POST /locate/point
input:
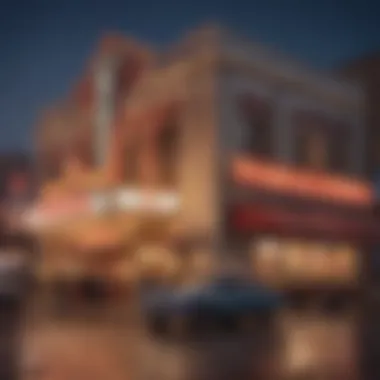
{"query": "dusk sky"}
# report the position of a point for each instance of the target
(44, 44)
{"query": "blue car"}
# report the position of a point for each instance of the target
(226, 297)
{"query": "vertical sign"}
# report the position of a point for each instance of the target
(105, 81)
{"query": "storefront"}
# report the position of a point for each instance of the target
(121, 237)
(322, 279)
(100, 234)
(307, 234)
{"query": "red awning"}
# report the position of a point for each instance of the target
(251, 219)
(282, 179)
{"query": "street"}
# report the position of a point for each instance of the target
(106, 341)
(78, 342)
(109, 343)
(93, 341)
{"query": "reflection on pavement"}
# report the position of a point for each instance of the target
(74, 352)
(107, 342)
(83, 343)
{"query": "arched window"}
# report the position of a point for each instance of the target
(341, 148)
(316, 150)
(257, 116)
(313, 142)
(322, 143)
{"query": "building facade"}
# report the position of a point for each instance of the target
(365, 71)
(182, 125)
(220, 151)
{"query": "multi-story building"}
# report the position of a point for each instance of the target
(219, 149)
(366, 72)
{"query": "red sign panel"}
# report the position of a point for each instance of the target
(283, 179)
(247, 218)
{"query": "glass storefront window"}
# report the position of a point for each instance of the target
(345, 264)
(201, 261)
(319, 261)
(158, 262)
(265, 257)
(294, 258)
(301, 260)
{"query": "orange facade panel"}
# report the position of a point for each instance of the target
(297, 182)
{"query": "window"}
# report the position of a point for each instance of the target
(258, 118)
(316, 150)
(265, 258)
(321, 143)
(313, 142)
(340, 148)
(299, 261)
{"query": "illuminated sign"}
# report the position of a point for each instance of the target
(131, 200)
(277, 177)
(50, 212)
(158, 201)
(291, 259)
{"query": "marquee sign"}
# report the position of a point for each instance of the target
(47, 213)
(277, 177)
(121, 200)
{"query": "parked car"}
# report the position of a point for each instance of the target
(224, 302)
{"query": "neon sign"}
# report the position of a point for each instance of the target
(277, 177)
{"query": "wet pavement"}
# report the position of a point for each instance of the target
(71, 340)
(108, 342)
(76, 341)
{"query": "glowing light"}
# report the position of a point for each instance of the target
(277, 177)
(162, 202)
(123, 200)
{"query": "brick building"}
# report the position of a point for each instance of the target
(182, 122)
(230, 148)
(64, 130)
(365, 71)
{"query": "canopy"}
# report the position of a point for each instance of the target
(255, 218)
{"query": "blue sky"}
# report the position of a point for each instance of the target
(44, 44)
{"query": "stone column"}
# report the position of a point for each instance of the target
(198, 161)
